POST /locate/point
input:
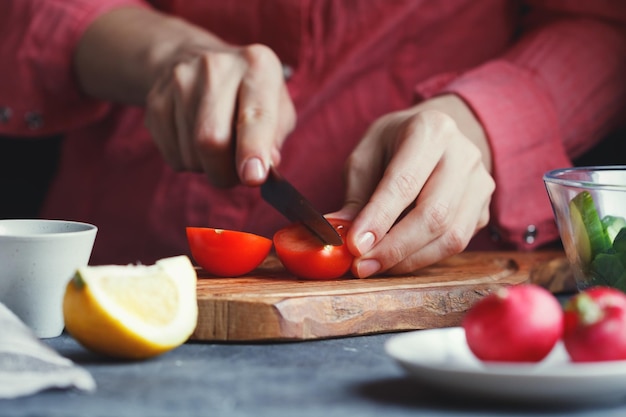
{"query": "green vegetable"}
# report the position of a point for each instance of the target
(606, 268)
(619, 246)
(589, 233)
(601, 243)
(612, 225)
(619, 243)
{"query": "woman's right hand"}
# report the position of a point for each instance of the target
(224, 111)
(210, 106)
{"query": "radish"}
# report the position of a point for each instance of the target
(595, 325)
(519, 323)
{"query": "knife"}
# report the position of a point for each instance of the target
(287, 200)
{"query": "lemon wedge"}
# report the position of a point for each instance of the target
(132, 311)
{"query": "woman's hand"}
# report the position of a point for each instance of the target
(418, 188)
(222, 111)
(210, 106)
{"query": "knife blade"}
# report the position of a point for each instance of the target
(283, 196)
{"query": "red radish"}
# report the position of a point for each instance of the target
(595, 325)
(520, 323)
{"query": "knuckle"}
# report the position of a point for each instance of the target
(396, 253)
(209, 139)
(385, 215)
(259, 56)
(433, 120)
(455, 240)
(214, 65)
(403, 185)
(252, 114)
(484, 219)
(438, 218)
(180, 74)
(475, 159)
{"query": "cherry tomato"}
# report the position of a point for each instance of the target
(305, 256)
(227, 253)
(520, 323)
(595, 325)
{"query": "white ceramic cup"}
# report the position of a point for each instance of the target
(37, 260)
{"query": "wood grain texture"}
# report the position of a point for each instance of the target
(270, 304)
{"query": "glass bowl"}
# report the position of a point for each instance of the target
(589, 205)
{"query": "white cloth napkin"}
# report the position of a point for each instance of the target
(28, 366)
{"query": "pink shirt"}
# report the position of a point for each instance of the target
(547, 84)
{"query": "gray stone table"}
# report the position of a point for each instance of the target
(339, 377)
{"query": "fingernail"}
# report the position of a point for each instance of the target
(365, 242)
(367, 267)
(253, 170)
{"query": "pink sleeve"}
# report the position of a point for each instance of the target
(39, 94)
(555, 94)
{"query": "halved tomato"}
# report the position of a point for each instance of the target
(227, 253)
(305, 256)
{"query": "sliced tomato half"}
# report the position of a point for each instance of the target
(227, 253)
(305, 256)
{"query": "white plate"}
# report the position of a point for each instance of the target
(442, 359)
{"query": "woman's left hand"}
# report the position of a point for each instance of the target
(418, 187)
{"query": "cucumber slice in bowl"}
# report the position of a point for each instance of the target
(589, 233)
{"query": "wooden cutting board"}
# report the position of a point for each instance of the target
(270, 304)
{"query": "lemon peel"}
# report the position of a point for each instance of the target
(132, 311)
